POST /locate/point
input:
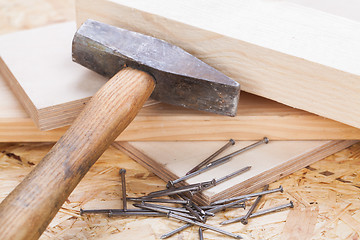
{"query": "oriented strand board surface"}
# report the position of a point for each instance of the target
(326, 194)
(299, 56)
(269, 162)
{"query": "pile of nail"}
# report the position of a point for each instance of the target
(189, 212)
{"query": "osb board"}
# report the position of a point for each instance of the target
(326, 194)
(269, 162)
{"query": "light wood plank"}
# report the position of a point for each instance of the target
(55, 101)
(299, 56)
(269, 162)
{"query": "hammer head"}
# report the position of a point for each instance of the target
(181, 79)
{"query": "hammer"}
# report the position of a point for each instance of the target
(144, 62)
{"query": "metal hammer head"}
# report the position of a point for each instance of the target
(181, 79)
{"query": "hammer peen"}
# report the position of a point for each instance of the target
(140, 66)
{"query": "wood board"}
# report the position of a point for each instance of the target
(38, 68)
(53, 90)
(269, 162)
(296, 55)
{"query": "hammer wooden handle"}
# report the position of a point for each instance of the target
(28, 209)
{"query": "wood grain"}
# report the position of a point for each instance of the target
(298, 56)
(161, 122)
(55, 102)
(28, 210)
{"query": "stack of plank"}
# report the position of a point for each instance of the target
(300, 76)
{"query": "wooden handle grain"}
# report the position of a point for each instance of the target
(28, 210)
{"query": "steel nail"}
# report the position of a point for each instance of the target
(175, 209)
(139, 213)
(206, 208)
(176, 201)
(201, 235)
(176, 191)
(215, 154)
(195, 214)
(223, 201)
(260, 213)
(228, 205)
(173, 215)
(89, 211)
(169, 234)
(172, 188)
(123, 185)
(252, 208)
(214, 209)
(217, 162)
(162, 210)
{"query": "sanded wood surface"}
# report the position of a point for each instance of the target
(26, 212)
(269, 162)
(326, 191)
(55, 101)
(299, 56)
(256, 117)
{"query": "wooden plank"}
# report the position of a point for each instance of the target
(299, 56)
(52, 88)
(54, 102)
(269, 162)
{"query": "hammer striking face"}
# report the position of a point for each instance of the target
(181, 79)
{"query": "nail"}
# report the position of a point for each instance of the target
(223, 201)
(175, 209)
(195, 214)
(215, 209)
(217, 162)
(176, 201)
(260, 213)
(219, 208)
(123, 185)
(82, 211)
(201, 235)
(169, 234)
(242, 205)
(172, 215)
(171, 188)
(215, 154)
(176, 191)
(161, 210)
(252, 208)
(234, 174)
(140, 213)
